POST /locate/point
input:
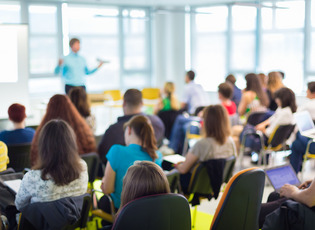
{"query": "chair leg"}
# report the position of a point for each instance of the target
(194, 218)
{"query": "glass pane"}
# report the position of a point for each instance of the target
(244, 18)
(48, 85)
(267, 18)
(214, 21)
(43, 19)
(284, 52)
(313, 13)
(312, 52)
(135, 53)
(243, 51)
(104, 48)
(85, 20)
(209, 60)
(291, 16)
(137, 81)
(43, 54)
(10, 13)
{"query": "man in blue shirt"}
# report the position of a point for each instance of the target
(74, 67)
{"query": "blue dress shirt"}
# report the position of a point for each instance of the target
(74, 70)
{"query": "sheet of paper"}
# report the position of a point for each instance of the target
(13, 184)
(174, 158)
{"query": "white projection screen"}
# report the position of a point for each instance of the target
(13, 67)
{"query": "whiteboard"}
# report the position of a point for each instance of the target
(14, 67)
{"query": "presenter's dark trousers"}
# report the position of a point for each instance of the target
(68, 87)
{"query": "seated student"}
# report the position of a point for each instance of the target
(140, 146)
(299, 145)
(132, 105)
(60, 107)
(79, 98)
(59, 171)
(225, 92)
(217, 142)
(168, 100)
(19, 134)
(304, 194)
(143, 178)
(285, 99)
(237, 93)
(274, 83)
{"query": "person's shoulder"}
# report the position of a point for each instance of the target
(117, 149)
(29, 130)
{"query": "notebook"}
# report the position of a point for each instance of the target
(305, 124)
(280, 175)
(174, 159)
(14, 185)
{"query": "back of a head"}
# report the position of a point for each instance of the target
(226, 90)
(79, 98)
(144, 178)
(133, 98)
(17, 113)
(191, 75)
(143, 129)
(253, 84)
(311, 86)
(287, 98)
(231, 78)
(169, 88)
(217, 123)
(274, 81)
(58, 153)
(263, 78)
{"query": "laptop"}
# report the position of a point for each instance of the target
(305, 124)
(280, 175)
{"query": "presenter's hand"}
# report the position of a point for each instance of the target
(60, 62)
(100, 64)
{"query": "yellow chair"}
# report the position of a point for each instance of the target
(112, 95)
(150, 93)
(307, 156)
(4, 159)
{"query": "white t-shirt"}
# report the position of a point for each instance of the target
(34, 189)
(194, 96)
(310, 107)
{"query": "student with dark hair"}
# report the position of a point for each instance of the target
(274, 83)
(20, 134)
(59, 171)
(194, 95)
(225, 92)
(217, 142)
(254, 98)
(73, 67)
(140, 146)
(79, 98)
(143, 178)
(237, 93)
(132, 105)
(60, 107)
(299, 145)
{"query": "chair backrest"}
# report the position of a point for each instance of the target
(228, 168)
(255, 118)
(113, 95)
(150, 93)
(19, 156)
(239, 206)
(193, 133)
(93, 163)
(168, 118)
(280, 135)
(156, 212)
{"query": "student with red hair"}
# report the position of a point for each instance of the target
(60, 107)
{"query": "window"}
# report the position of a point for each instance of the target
(10, 13)
(209, 46)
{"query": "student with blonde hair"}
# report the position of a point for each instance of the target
(140, 146)
(274, 83)
(168, 100)
(217, 142)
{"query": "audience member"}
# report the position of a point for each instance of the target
(20, 134)
(132, 105)
(143, 178)
(168, 100)
(59, 171)
(304, 194)
(217, 142)
(237, 93)
(140, 146)
(194, 95)
(4, 159)
(299, 145)
(225, 92)
(263, 78)
(79, 99)
(274, 83)
(60, 107)
(285, 99)
(254, 98)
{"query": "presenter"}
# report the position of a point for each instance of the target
(73, 67)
